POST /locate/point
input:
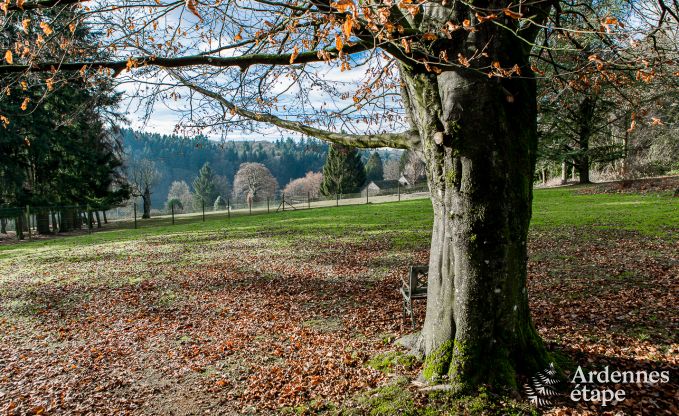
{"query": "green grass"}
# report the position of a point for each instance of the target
(653, 214)
(407, 223)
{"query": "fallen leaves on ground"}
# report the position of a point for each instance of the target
(201, 322)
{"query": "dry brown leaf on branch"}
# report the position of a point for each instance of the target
(486, 18)
(295, 54)
(347, 27)
(46, 28)
(192, 6)
(8, 57)
(512, 14)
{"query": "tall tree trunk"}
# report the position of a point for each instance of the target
(19, 226)
(479, 145)
(583, 169)
(105, 218)
(586, 114)
(146, 197)
(67, 220)
(78, 219)
(96, 214)
(55, 226)
(42, 219)
(3, 225)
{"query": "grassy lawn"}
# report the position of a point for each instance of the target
(295, 311)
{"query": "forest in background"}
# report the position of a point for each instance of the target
(179, 158)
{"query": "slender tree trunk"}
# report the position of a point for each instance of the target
(96, 214)
(582, 162)
(78, 219)
(3, 225)
(564, 172)
(105, 218)
(479, 145)
(19, 226)
(147, 203)
(55, 226)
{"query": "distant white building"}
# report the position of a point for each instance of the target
(379, 187)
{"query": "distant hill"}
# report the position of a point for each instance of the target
(180, 158)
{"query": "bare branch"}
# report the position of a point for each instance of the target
(405, 140)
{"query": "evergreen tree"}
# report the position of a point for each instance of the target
(374, 169)
(204, 186)
(55, 136)
(343, 171)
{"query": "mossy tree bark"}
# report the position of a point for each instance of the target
(479, 140)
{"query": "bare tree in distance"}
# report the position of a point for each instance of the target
(180, 191)
(453, 81)
(255, 182)
(309, 185)
(143, 175)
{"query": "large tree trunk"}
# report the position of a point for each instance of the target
(146, 197)
(3, 225)
(479, 145)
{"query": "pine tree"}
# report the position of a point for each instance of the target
(343, 171)
(204, 186)
(60, 150)
(374, 169)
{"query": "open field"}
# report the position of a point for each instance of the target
(295, 312)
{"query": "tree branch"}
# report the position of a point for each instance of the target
(405, 140)
(244, 61)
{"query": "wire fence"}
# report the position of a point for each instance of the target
(37, 222)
